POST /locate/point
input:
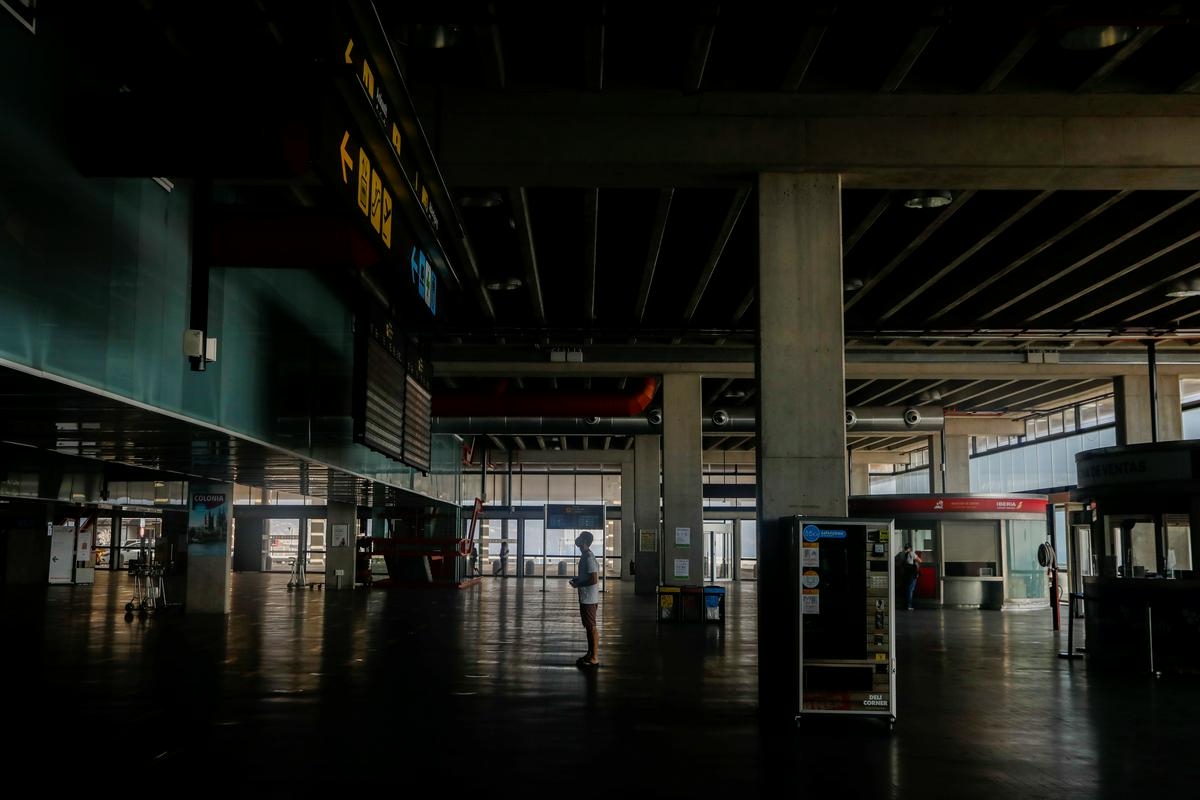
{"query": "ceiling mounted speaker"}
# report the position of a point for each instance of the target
(928, 199)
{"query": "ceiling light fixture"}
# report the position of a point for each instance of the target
(1188, 288)
(481, 200)
(434, 37)
(853, 285)
(504, 284)
(1096, 37)
(928, 199)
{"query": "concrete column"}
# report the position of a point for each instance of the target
(736, 570)
(210, 514)
(341, 529)
(958, 462)
(628, 518)
(802, 396)
(860, 478)
(1133, 409)
(683, 500)
(937, 471)
(647, 510)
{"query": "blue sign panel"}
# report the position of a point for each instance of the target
(561, 517)
(812, 533)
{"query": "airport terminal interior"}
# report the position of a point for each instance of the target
(605, 397)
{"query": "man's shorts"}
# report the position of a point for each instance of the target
(587, 612)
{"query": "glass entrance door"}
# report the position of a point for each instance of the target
(316, 546)
(718, 551)
(281, 545)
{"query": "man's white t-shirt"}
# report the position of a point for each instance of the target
(588, 595)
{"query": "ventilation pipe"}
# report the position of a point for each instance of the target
(865, 419)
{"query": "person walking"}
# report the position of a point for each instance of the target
(587, 581)
(910, 561)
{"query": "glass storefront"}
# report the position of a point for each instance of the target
(1026, 578)
(281, 545)
(135, 534)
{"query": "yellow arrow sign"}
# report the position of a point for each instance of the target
(349, 47)
(347, 161)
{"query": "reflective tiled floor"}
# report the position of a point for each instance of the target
(450, 691)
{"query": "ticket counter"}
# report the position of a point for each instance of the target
(977, 551)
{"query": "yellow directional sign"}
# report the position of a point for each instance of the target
(347, 161)
(374, 199)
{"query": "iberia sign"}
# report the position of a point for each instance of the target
(942, 505)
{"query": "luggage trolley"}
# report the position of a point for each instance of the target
(844, 578)
(298, 579)
(149, 589)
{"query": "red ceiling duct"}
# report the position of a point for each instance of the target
(544, 404)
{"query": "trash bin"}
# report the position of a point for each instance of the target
(692, 598)
(562, 568)
(529, 567)
(668, 604)
(714, 604)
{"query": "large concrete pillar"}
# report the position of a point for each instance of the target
(802, 397)
(1133, 409)
(683, 499)
(341, 529)
(957, 447)
(628, 518)
(937, 467)
(210, 511)
(647, 509)
(860, 478)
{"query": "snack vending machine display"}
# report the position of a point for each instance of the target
(844, 579)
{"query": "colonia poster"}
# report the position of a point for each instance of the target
(208, 522)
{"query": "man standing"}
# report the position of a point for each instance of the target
(908, 567)
(587, 581)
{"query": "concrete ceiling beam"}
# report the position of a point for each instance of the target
(981, 141)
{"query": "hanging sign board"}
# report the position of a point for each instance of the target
(393, 407)
(574, 517)
(374, 153)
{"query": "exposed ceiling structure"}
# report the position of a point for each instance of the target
(602, 161)
(645, 256)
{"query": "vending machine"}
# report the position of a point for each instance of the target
(844, 581)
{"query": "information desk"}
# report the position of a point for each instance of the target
(977, 550)
(1143, 624)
